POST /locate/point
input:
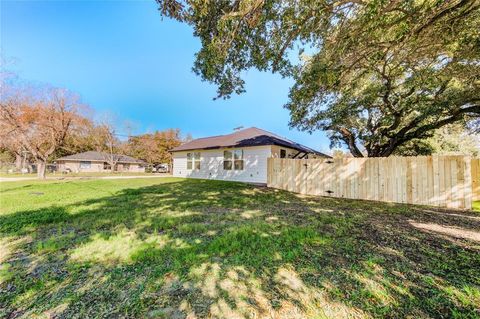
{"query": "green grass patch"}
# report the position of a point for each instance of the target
(80, 174)
(476, 206)
(167, 247)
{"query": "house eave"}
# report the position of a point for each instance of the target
(243, 146)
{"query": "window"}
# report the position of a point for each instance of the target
(233, 160)
(193, 160)
(189, 161)
(227, 160)
(238, 159)
(196, 160)
(283, 153)
(85, 164)
(106, 166)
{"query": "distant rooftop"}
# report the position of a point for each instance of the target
(243, 138)
(99, 157)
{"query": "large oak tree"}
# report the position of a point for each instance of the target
(373, 74)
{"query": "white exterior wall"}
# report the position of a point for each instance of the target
(74, 166)
(211, 165)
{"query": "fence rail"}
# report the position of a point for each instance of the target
(445, 181)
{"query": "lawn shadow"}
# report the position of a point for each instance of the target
(228, 250)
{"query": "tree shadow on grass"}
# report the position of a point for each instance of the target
(217, 249)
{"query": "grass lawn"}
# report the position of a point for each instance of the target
(81, 174)
(173, 248)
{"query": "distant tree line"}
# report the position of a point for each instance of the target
(39, 124)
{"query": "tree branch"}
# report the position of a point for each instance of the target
(349, 139)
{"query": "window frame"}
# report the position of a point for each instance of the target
(237, 156)
(194, 160)
(85, 164)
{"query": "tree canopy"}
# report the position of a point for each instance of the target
(373, 74)
(452, 139)
(154, 148)
(38, 121)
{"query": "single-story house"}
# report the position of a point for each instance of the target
(239, 156)
(92, 161)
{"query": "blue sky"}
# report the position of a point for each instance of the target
(123, 59)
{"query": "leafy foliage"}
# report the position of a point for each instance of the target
(83, 138)
(374, 74)
(38, 121)
(450, 139)
(154, 148)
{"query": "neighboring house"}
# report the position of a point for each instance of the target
(240, 156)
(97, 162)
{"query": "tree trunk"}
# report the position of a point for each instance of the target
(41, 168)
(18, 162)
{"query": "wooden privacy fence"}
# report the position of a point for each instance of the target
(446, 181)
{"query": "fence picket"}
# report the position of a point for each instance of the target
(446, 181)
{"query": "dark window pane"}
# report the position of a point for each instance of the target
(283, 153)
(227, 165)
(227, 155)
(239, 165)
(238, 154)
(197, 156)
(85, 164)
(189, 164)
(197, 164)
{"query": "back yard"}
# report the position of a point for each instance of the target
(173, 248)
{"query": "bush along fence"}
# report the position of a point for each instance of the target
(445, 181)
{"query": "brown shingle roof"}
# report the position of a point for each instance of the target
(98, 157)
(247, 137)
